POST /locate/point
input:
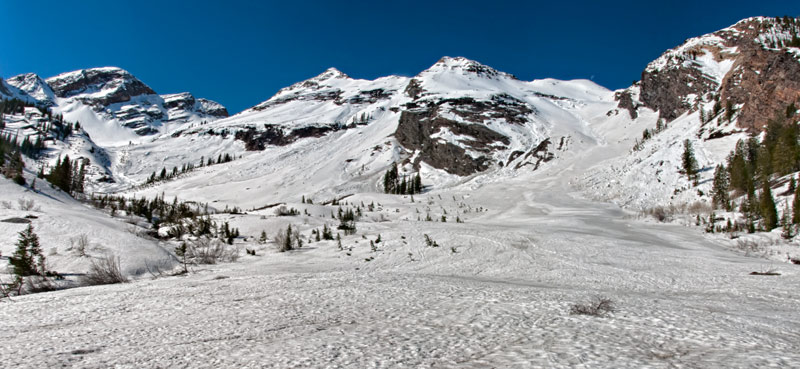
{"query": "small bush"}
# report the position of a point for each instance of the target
(104, 271)
(206, 251)
(599, 306)
(26, 204)
(37, 284)
(79, 244)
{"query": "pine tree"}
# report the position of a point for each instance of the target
(28, 260)
(796, 206)
(390, 180)
(689, 162)
(768, 211)
(417, 183)
(287, 242)
(720, 187)
(786, 223)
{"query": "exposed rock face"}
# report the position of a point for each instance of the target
(257, 140)
(626, 102)
(753, 64)
(99, 86)
(184, 103)
(765, 82)
(666, 90)
(414, 89)
(418, 130)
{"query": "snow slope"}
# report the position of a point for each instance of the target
(60, 220)
(501, 300)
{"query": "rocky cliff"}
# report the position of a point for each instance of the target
(751, 67)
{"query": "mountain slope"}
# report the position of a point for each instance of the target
(333, 135)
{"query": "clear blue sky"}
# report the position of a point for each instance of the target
(240, 54)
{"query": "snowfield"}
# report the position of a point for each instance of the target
(502, 299)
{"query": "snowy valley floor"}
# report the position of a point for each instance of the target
(501, 300)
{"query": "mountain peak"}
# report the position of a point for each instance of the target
(34, 86)
(462, 65)
(106, 85)
(330, 73)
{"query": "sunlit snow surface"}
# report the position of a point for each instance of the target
(501, 300)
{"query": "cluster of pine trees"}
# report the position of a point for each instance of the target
(155, 211)
(347, 221)
(67, 175)
(14, 106)
(11, 163)
(164, 175)
(394, 184)
(12, 147)
(750, 168)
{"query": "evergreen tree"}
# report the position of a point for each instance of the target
(390, 184)
(768, 211)
(287, 242)
(417, 183)
(689, 162)
(796, 206)
(61, 174)
(403, 185)
(763, 164)
(720, 187)
(786, 223)
(28, 260)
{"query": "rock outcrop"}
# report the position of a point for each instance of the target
(752, 66)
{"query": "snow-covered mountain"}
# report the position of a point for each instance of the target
(331, 135)
(113, 105)
(9, 92)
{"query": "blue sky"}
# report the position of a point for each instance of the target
(241, 52)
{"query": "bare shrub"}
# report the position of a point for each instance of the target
(159, 268)
(5, 290)
(599, 306)
(104, 271)
(26, 204)
(659, 213)
(755, 245)
(700, 207)
(206, 251)
(36, 284)
(6, 204)
(79, 244)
